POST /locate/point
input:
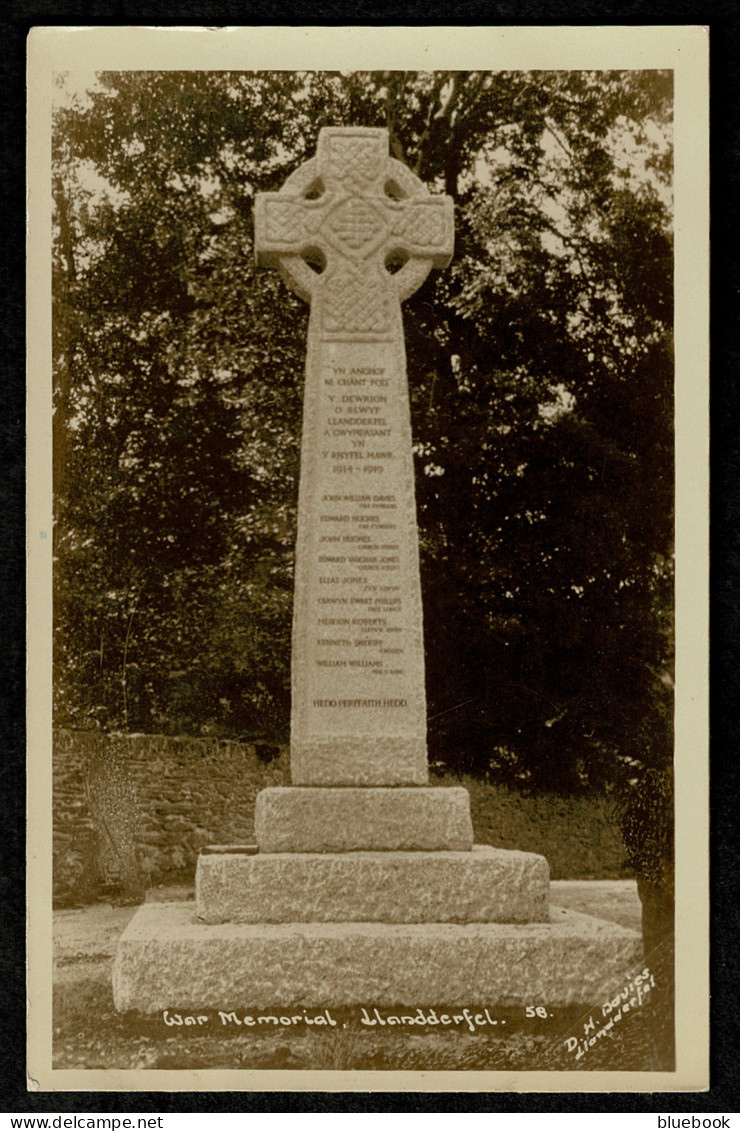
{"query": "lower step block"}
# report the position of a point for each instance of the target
(168, 959)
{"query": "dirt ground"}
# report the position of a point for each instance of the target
(89, 1033)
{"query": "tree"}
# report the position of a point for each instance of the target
(175, 357)
(540, 370)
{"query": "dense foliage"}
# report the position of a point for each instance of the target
(540, 367)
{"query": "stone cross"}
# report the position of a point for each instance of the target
(366, 886)
(354, 232)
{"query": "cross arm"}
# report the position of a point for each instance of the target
(422, 228)
(286, 228)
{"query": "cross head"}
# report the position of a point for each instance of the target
(354, 232)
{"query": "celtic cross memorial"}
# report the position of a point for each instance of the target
(354, 232)
(364, 886)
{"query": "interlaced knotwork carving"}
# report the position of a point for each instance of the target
(353, 227)
(356, 223)
(421, 225)
(354, 305)
(354, 158)
(284, 221)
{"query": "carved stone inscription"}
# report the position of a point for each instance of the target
(358, 535)
(358, 662)
(358, 707)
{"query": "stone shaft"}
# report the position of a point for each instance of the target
(167, 959)
(355, 214)
(487, 885)
(345, 819)
(359, 706)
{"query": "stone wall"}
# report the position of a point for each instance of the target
(158, 798)
(162, 799)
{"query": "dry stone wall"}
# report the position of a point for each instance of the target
(159, 797)
(187, 792)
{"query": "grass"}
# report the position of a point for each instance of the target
(128, 1041)
(579, 836)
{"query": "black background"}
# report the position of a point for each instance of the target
(723, 21)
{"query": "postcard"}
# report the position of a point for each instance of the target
(367, 542)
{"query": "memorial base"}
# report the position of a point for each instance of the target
(298, 819)
(168, 959)
(335, 922)
(482, 886)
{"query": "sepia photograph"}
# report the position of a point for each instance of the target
(367, 434)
